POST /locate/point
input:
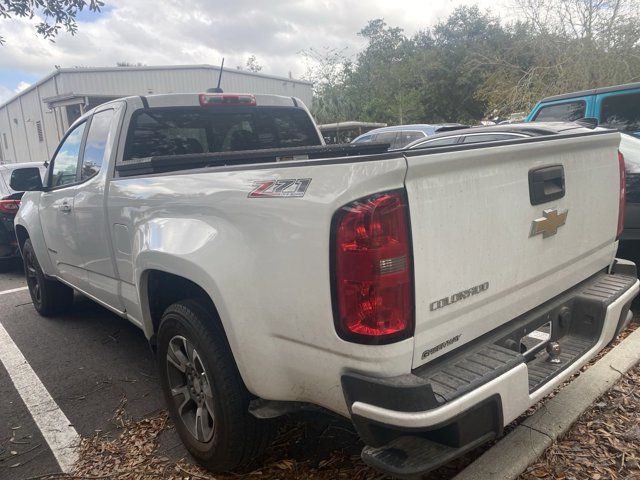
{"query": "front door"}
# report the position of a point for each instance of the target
(93, 236)
(56, 209)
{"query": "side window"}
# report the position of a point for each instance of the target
(439, 142)
(489, 137)
(97, 144)
(387, 137)
(621, 112)
(405, 138)
(65, 163)
(562, 112)
(366, 138)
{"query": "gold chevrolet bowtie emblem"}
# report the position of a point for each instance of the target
(549, 224)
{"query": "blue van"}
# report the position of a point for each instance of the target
(615, 107)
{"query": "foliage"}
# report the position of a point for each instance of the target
(252, 64)
(56, 14)
(471, 66)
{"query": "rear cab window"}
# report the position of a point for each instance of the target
(196, 130)
(562, 112)
(621, 112)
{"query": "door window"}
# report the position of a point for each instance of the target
(405, 138)
(387, 137)
(490, 137)
(65, 163)
(98, 139)
(438, 142)
(366, 138)
(621, 112)
(562, 112)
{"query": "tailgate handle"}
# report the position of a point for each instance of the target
(546, 184)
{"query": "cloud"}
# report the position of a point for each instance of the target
(156, 32)
(21, 86)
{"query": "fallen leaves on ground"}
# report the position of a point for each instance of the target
(603, 444)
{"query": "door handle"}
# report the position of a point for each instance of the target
(546, 184)
(65, 208)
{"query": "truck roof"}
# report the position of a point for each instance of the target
(593, 91)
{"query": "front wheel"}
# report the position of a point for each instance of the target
(205, 394)
(49, 296)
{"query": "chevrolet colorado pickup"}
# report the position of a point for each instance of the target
(429, 296)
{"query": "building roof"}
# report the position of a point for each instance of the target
(149, 68)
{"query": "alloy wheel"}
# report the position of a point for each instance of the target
(190, 388)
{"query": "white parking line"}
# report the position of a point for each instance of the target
(13, 290)
(56, 429)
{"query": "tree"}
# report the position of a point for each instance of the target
(329, 69)
(252, 64)
(56, 14)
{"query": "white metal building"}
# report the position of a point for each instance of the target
(33, 122)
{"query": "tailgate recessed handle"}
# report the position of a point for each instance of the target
(546, 184)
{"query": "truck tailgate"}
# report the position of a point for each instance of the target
(477, 262)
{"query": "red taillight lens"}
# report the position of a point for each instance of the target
(227, 99)
(373, 282)
(9, 206)
(623, 187)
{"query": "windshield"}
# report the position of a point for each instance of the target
(179, 131)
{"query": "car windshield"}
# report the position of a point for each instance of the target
(179, 131)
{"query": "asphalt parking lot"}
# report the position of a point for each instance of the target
(93, 363)
(89, 360)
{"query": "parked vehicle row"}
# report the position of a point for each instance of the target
(431, 295)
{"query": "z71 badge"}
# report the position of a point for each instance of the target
(291, 187)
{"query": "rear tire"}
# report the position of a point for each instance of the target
(49, 296)
(228, 437)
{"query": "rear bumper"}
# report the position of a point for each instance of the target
(417, 422)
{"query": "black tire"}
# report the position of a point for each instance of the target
(237, 439)
(50, 297)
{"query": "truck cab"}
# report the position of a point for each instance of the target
(616, 107)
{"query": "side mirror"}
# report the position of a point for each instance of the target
(26, 180)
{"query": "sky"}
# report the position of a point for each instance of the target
(174, 32)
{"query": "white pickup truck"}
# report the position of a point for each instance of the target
(429, 296)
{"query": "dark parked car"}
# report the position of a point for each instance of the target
(9, 204)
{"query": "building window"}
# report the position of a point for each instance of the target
(6, 145)
(39, 130)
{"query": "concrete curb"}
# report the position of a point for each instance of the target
(508, 458)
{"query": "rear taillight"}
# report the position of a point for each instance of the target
(227, 99)
(621, 204)
(9, 206)
(373, 281)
